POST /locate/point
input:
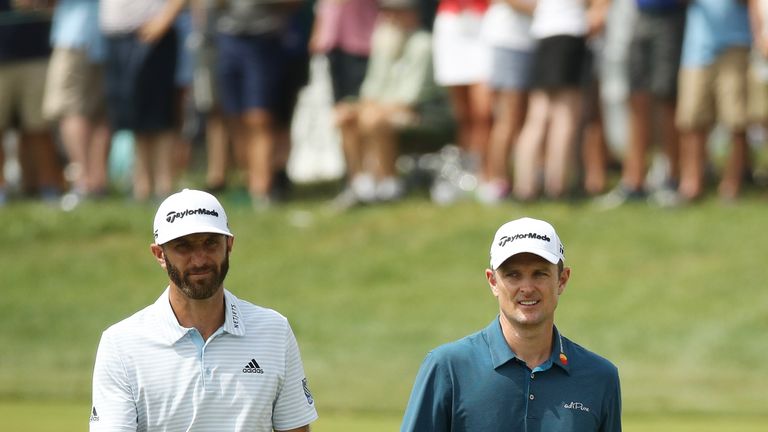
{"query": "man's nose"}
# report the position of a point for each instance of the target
(199, 256)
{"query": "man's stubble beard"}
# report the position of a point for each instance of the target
(204, 288)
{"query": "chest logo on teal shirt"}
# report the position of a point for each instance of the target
(578, 406)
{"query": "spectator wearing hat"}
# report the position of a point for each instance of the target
(520, 372)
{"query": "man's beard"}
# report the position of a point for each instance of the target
(202, 288)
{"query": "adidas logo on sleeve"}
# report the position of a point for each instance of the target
(253, 367)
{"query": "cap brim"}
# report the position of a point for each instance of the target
(498, 261)
(199, 230)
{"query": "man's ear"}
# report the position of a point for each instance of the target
(158, 253)
(564, 276)
(490, 275)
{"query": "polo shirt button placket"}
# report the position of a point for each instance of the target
(531, 396)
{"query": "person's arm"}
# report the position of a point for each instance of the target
(294, 403)
(597, 13)
(525, 6)
(611, 421)
(155, 28)
(113, 407)
(416, 71)
(380, 62)
(301, 429)
(757, 22)
(429, 407)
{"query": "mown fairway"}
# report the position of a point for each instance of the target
(677, 299)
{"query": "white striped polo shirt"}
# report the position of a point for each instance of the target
(151, 374)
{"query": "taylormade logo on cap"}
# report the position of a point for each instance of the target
(526, 235)
(189, 212)
(171, 216)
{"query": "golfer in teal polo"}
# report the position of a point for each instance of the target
(519, 373)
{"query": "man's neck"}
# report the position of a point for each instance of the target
(533, 345)
(204, 315)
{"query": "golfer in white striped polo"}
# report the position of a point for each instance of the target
(199, 359)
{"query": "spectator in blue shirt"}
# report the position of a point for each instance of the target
(519, 373)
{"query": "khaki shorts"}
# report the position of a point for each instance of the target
(714, 93)
(22, 95)
(74, 85)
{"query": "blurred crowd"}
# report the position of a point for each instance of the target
(493, 100)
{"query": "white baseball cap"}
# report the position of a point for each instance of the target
(526, 235)
(189, 212)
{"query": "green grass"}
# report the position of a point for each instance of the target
(676, 299)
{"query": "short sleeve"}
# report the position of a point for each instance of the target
(611, 421)
(294, 406)
(113, 409)
(429, 407)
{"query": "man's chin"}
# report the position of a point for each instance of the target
(199, 291)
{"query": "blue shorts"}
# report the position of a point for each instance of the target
(511, 69)
(140, 83)
(249, 72)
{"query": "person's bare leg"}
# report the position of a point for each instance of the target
(97, 157)
(43, 155)
(163, 148)
(510, 116)
(142, 173)
(260, 142)
(460, 104)
(217, 147)
(527, 160)
(733, 173)
(670, 139)
(558, 161)
(692, 157)
(634, 168)
(346, 116)
(481, 120)
(75, 134)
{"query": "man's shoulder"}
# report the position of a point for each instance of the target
(461, 350)
(132, 322)
(254, 312)
(582, 357)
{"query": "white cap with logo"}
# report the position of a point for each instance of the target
(526, 235)
(189, 212)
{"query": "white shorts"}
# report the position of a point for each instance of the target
(461, 56)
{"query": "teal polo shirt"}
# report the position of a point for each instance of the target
(478, 384)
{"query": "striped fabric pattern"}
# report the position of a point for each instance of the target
(151, 374)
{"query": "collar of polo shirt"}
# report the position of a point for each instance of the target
(501, 353)
(171, 331)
